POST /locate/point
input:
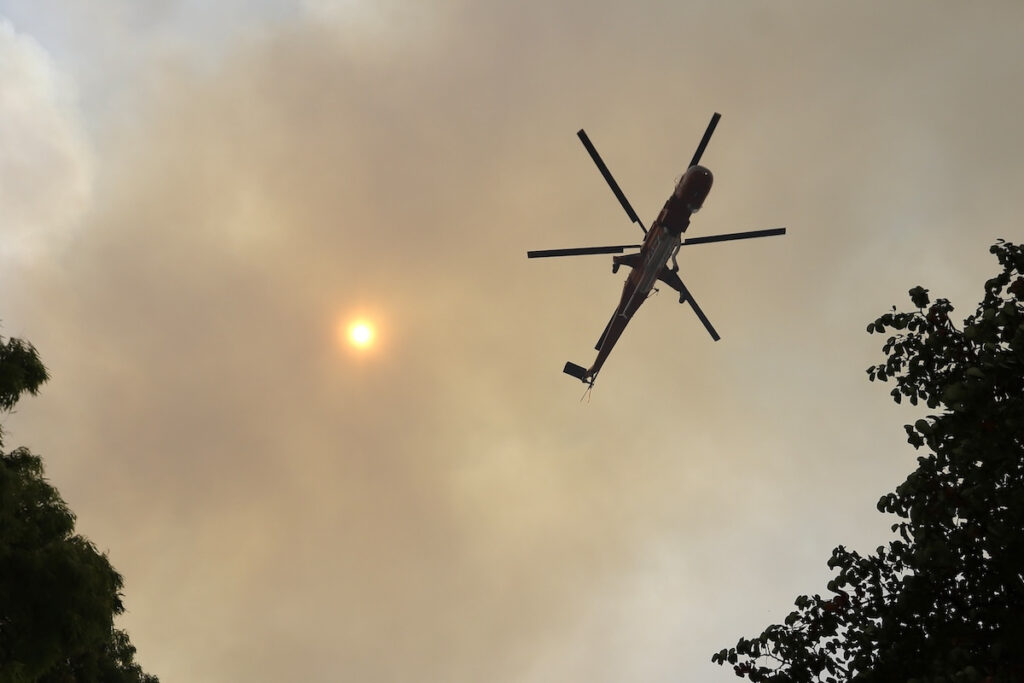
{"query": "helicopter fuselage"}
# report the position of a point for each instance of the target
(658, 248)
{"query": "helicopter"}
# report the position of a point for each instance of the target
(659, 249)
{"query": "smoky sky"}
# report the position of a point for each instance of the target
(198, 201)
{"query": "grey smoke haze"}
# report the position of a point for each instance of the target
(210, 196)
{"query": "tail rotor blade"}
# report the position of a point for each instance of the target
(609, 179)
(704, 141)
(734, 236)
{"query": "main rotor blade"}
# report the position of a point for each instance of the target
(704, 141)
(579, 251)
(700, 314)
(734, 236)
(609, 179)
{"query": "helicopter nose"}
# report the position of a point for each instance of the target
(694, 187)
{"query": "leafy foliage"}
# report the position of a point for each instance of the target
(58, 594)
(944, 601)
(20, 371)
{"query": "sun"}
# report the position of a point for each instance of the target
(360, 334)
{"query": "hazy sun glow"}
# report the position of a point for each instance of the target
(360, 334)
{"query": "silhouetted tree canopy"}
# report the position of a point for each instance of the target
(58, 594)
(944, 601)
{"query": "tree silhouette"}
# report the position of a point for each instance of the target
(58, 594)
(944, 601)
